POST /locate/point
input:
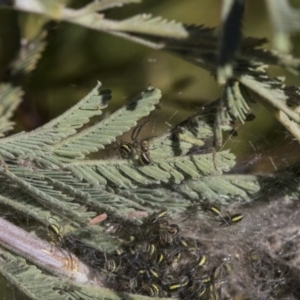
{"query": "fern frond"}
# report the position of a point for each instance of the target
(10, 98)
(155, 197)
(114, 172)
(80, 114)
(97, 198)
(235, 101)
(29, 55)
(36, 210)
(29, 279)
(25, 206)
(37, 142)
(285, 20)
(101, 5)
(271, 57)
(147, 24)
(96, 137)
(191, 136)
(271, 90)
(233, 104)
(229, 188)
(36, 185)
(188, 137)
(219, 189)
(225, 189)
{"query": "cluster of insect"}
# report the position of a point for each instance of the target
(137, 148)
(154, 259)
(158, 261)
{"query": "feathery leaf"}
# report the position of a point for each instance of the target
(147, 24)
(113, 171)
(36, 185)
(10, 98)
(272, 90)
(29, 55)
(28, 278)
(103, 133)
(285, 20)
(37, 142)
(101, 5)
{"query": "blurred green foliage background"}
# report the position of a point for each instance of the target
(76, 58)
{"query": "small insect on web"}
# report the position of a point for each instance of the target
(54, 229)
(225, 219)
(141, 145)
(56, 233)
(128, 150)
